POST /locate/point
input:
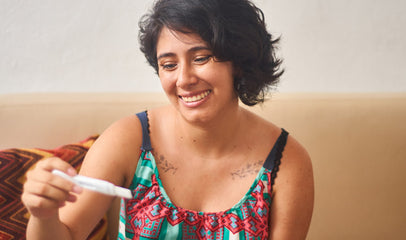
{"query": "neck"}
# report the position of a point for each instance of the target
(214, 138)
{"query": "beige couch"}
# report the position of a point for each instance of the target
(357, 143)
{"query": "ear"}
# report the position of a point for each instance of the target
(237, 72)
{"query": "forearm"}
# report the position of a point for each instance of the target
(43, 229)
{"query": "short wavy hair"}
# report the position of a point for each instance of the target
(235, 31)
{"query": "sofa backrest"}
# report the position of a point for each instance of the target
(357, 143)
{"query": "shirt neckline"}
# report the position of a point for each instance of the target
(170, 204)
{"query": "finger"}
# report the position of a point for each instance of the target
(52, 163)
(71, 198)
(46, 190)
(44, 183)
(36, 201)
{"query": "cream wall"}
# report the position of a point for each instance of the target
(91, 45)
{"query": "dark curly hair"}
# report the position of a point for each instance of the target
(234, 30)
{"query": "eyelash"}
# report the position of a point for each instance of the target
(168, 66)
(203, 59)
(198, 60)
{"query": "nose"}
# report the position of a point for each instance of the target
(186, 76)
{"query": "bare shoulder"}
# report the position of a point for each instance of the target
(113, 157)
(295, 163)
(293, 193)
(117, 146)
(265, 131)
(294, 153)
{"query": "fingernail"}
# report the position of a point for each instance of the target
(71, 198)
(71, 171)
(77, 189)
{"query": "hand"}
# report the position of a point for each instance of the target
(44, 193)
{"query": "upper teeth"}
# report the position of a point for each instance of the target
(196, 97)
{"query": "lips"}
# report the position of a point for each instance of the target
(195, 98)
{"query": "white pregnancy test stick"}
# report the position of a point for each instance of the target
(96, 185)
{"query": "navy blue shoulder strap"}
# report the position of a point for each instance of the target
(146, 141)
(273, 160)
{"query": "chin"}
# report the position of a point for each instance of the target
(195, 116)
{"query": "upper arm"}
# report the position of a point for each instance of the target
(113, 157)
(293, 194)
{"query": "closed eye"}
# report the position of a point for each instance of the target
(202, 59)
(168, 66)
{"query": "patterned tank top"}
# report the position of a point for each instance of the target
(150, 214)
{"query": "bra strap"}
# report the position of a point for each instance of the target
(146, 141)
(273, 160)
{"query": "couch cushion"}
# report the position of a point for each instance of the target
(14, 163)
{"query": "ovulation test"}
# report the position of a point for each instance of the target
(96, 185)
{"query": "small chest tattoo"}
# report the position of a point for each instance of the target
(247, 170)
(164, 164)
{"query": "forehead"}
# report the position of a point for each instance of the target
(173, 41)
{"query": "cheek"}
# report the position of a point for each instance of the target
(222, 77)
(168, 85)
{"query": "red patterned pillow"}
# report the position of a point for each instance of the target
(14, 163)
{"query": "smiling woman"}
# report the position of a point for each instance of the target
(233, 30)
(208, 168)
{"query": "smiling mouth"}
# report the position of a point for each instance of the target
(195, 98)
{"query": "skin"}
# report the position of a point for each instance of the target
(228, 154)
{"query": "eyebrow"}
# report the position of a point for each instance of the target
(193, 49)
(165, 55)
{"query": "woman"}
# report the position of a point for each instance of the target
(208, 168)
